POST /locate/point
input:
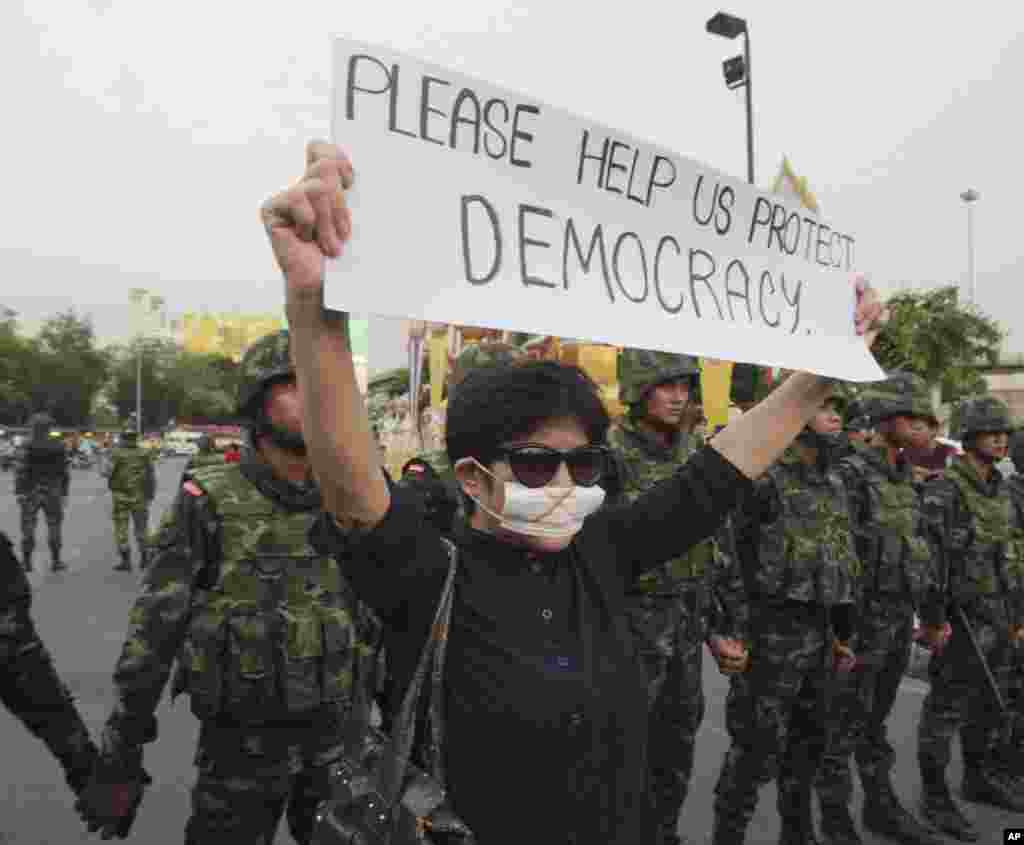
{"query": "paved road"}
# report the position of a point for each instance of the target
(82, 615)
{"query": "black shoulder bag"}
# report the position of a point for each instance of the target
(378, 797)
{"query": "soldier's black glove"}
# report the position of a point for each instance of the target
(78, 768)
(111, 798)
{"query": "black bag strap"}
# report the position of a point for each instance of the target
(396, 754)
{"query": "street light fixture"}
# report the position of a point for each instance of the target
(737, 72)
(970, 196)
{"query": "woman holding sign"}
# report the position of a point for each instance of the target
(546, 704)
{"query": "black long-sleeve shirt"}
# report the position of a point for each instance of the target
(546, 706)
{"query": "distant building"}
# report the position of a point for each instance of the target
(224, 334)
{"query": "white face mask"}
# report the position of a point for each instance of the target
(555, 512)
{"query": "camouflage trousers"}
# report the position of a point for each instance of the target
(249, 779)
(668, 632)
(50, 501)
(137, 511)
(959, 698)
(864, 699)
(774, 716)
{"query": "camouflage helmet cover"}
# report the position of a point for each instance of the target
(900, 394)
(638, 370)
(267, 360)
(858, 416)
(477, 355)
(981, 415)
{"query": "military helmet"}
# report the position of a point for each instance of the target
(900, 394)
(267, 360)
(858, 416)
(638, 370)
(982, 415)
(477, 355)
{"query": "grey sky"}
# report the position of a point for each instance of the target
(141, 137)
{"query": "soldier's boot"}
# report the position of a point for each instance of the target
(984, 785)
(939, 808)
(144, 556)
(26, 556)
(884, 815)
(126, 561)
(56, 564)
(837, 827)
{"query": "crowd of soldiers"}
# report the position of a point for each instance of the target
(806, 600)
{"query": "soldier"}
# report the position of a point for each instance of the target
(432, 471)
(29, 685)
(666, 607)
(788, 582)
(1015, 762)
(265, 632)
(41, 481)
(898, 574)
(132, 483)
(206, 456)
(970, 523)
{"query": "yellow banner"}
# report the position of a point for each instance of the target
(438, 366)
(715, 387)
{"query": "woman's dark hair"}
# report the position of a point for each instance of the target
(495, 405)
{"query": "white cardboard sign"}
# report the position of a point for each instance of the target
(478, 206)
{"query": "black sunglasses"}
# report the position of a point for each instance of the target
(534, 465)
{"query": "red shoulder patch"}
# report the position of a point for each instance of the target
(192, 488)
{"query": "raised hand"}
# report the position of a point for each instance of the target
(310, 221)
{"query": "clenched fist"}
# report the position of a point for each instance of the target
(732, 656)
(310, 221)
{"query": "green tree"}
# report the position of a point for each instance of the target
(932, 334)
(176, 384)
(68, 370)
(17, 368)
(207, 384)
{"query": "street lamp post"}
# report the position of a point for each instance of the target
(138, 390)
(737, 72)
(970, 196)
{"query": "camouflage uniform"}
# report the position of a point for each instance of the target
(132, 483)
(787, 579)
(666, 607)
(268, 639)
(899, 574)
(29, 685)
(970, 522)
(41, 482)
